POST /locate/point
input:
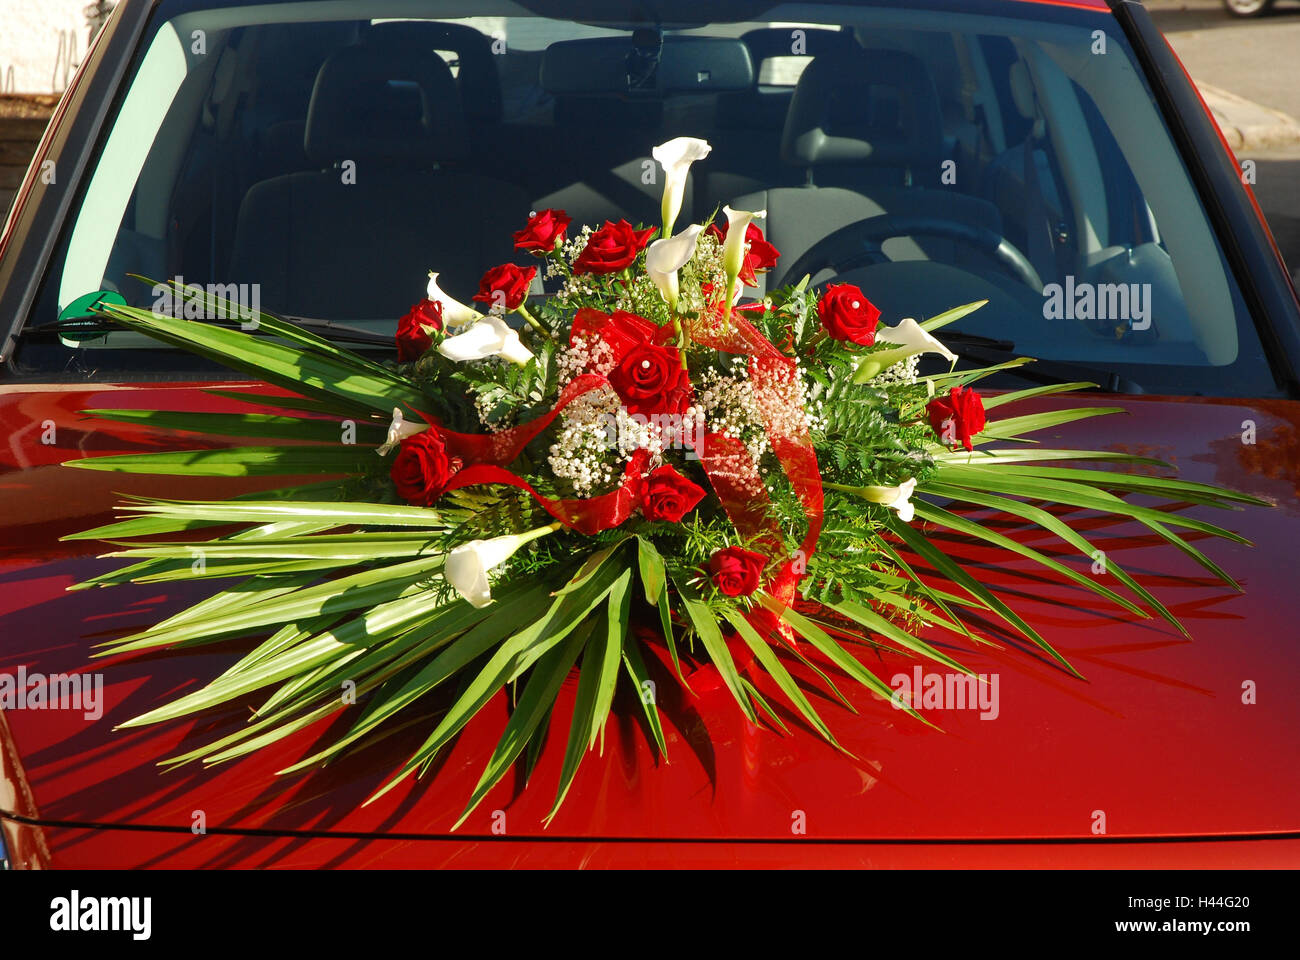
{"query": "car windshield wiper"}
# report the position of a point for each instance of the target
(975, 340)
(971, 346)
(93, 325)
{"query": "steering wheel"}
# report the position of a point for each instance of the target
(859, 244)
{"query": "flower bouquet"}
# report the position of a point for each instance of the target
(533, 478)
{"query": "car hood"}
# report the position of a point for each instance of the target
(1166, 737)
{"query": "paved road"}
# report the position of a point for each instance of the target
(1259, 60)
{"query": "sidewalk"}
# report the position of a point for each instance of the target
(1250, 127)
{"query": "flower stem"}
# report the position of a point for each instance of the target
(827, 485)
(523, 312)
(540, 532)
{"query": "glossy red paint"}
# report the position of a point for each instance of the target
(1158, 738)
(1081, 4)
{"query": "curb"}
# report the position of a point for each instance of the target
(1249, 126)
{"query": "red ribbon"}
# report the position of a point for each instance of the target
(589, 516)
(502, 449)
(772, 374)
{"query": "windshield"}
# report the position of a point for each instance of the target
(323, 157)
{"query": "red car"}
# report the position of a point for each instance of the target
(325, 155)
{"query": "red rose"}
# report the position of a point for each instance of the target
(413, 336)
(760, 257)
(669, 496)
(647, 371)
(736, 571)
(612, 248)
(848, 315)
(544, 231)
(506, 285)
(957, 417)
(650, 379)
(421, 470)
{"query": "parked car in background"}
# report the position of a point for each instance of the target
(933, 152)
(1248, 8)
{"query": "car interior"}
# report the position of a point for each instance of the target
(443, 172)
(335, 162)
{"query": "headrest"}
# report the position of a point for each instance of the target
(1022, 90)
(478, 78)
(875, 107)
(380, 103)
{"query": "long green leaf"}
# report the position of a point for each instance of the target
(1050, 522)
(272, 426)
(946, 567)
(951, 316)
(706, 628)
(829, 648)
(513, 610)
(287, 366)
(514, 655)
(615, 636)
(636, 669)
(1015, 427)
(976, 531)
(360, 590)
(238, 462)
(873, 621)
(777, 671)
(538, 696)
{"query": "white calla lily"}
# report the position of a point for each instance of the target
(910, 334)
(897, 498)
(676, 157)
(666, 257)
(489, 337)
(398, 431)
(454, 313)
(733, 251)
(467, 566)
(910, 340)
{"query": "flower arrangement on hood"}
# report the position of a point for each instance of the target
(610, 453)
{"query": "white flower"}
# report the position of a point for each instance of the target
(666, 257)
(454, 313)
(676, 156)
(467, 566)
(489, 337)
(909, 334)
(398, 431)
(733, 251)
(897, 498)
